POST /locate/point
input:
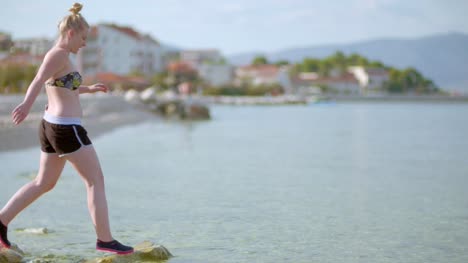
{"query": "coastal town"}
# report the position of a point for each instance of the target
(125, 59)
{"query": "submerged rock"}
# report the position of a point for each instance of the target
(37, 231)
(148, 95)
(195, 111)
(12, 255)
(52, 258)
(169, 104)
(28, 175)
(144, 252)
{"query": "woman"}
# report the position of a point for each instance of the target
(61, 135)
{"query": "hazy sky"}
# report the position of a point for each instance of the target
(247, 25)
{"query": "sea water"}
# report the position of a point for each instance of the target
(330, 182)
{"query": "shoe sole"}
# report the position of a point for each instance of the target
(4, 244)
(115, 251)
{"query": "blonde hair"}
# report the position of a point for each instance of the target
(73, 21)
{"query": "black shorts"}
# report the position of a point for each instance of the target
(62, 139)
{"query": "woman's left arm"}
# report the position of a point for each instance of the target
(93, 88)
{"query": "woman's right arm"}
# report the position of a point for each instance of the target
(53, 62)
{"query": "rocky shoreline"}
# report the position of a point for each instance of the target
(145, 251)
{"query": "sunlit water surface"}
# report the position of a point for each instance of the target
(318, 183)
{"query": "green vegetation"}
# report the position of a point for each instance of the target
(16, 78)
(337, 61)
(400, 81)
(260, 60)
(5, 42)
(409, 80)
(136, 73)
(161, 80)
(244, 90)
(282, 63)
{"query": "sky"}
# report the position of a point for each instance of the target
(240, 26)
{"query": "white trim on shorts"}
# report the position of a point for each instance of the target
(77, 136)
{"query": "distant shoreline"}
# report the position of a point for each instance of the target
(104, 113)
(294, 99)
(398, 98)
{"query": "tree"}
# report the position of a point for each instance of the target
(16, 77)
(325, 66)
(160, 80)
(353, 59)
(282, 63)
(339, 61)
(400, 81)
(136, 73)
(408, 80)
(310, 65)
(260, 60)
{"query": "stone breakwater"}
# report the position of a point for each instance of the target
(170, 104)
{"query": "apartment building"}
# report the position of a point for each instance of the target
(34, 46)
(120, 50)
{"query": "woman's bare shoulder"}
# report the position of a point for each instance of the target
(56, 55)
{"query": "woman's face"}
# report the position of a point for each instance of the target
(77, 40)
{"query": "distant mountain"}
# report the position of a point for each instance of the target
(442, 58)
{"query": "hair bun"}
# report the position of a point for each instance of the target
(76, 8)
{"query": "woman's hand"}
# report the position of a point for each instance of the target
(98, 87)
(20, 113)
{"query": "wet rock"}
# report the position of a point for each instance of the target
(148, 95)
(183, 110)
(52, 258)
(144, 252)
(168, 95)
(28, 175)
(12, 255)
(132, 96)
(168, 104)
(36, 231)
(195, 111)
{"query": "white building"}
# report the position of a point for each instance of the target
(346, 83)
(120, 50)
(34, 46)
(257, 74)
(210, 65)
(370, 79)
(216, 74)
(198, 57)
(264, 75)
(310, 83)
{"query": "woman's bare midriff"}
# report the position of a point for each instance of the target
(63, 102)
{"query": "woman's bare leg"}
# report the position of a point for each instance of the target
(51, 166)
(86, 163)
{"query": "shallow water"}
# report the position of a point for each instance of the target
(329, 182)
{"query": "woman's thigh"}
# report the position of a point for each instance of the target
(50, 168)
(86, 163)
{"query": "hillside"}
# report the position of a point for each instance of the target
(442, 58)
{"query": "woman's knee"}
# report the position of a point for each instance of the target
(44, 185)
(96, 179)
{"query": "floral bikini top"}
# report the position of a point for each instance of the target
(70, 81)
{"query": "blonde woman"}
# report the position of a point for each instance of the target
(61, 135)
